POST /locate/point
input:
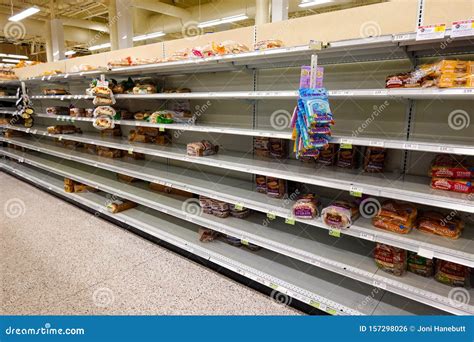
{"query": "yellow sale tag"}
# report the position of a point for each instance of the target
(346, 146)
(162, 129)
(130, 150)
(244, 242)
(290, 220)
(440, 28)
(274, 286)
(239, 206)
(335, 232)
(314, 304)
(271, 216)
(331, 311)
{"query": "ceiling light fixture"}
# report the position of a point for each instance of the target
(8, 60)
(70, 53)
(223, 21)
(312, 3)
(23, 14)
(99, 47)
(17, 56)
(148, 36)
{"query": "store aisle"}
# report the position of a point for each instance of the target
(58, 259)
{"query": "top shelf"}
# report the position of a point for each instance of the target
(385, 47)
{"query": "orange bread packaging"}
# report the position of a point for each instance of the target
(396, 217)
(438, 224)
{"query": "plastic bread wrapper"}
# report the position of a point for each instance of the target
(103, 122)
(104, 111)
(104, 101)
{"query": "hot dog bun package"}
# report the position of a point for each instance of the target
(390, 259)
(396, 217)
(440, 224)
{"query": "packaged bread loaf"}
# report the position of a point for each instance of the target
(390, 259)
(448, 166)
(119, 205)
(78, 187)
(111, 132)
(276, 187)
(239, 212)
(278, 148)
(90, 148)
(134, 155)
(220, 209)
(57, 110)
(347, 158)
(340, 214)
(201, 148)
(452, 274)
(109, 152)
(207, 235)
(77, 112)
(168, 189)
(464, 186)
(232, 240)
(396, 217)
(420, 265)
(268, 44)
(261, 183)
(206, 204)
(63, 129)
(374, 159)
(262, 146)
(439, 224)
(306, 207)
(328, 156)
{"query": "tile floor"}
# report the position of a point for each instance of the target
(56, 259)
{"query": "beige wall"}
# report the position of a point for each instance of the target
(447, 11)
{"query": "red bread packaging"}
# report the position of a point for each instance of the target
(396, 217)
(436, 223)
(447, 166)
(457, 185)
(452, 274)
(390, 259)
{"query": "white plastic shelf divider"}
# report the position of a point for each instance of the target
(414, 189)
(363, 94)
(314, 286)
(391, 143)
(242, 193)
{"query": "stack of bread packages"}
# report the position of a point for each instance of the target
(103, 114)
(312, 118)
(451, 173)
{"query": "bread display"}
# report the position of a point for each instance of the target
(268, 44)
(306, 207)
(261, 146)
(111, 132)
(149, 135)
(452, 274)
(55, 91)
(57, 110)
(390, 259)
(119, 205)
(72, 186)
(420, 265)
(464, 186)
(109, 152)
(396, 217)
(438, 224)
(238, 212)
(63, 129)
(278, 148)
(449, 166)
(328, 157)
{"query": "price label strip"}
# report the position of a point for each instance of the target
(429, 32)
(335, 232)
(290, 220)
(464, 28)
(355, 191)
(271, 215)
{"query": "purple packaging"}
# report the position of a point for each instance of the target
(305, 77)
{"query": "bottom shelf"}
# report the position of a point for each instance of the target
(327, 291)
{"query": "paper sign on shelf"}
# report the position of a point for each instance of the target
(239, 206)
(429, 32)
(335, 232)
(290, 220)
(425, 253)
(271, 215)
(355, 191)
(464, 28)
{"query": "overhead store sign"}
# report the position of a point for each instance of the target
(431, 32)
(462, 28)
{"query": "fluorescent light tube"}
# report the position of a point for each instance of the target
(26, 13)
(148, 36)
(8, 60)
(70, 52)
(99, 47)
(17, 56)
(222, 21)
(314, 3)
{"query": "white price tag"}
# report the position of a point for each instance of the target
(380, 92)
(379, 284)
(446, 149)
(367, 236)
(401, 37)
(43, 78)
(323, 306)
(356, 191)
(66, 75)
(468, 91)
(425, 253)
(408, 146)
(462, 28)
(49, 77)
(27, 130)
(376, 143)
(428, 32)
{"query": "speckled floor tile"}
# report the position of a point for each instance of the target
(58, 259)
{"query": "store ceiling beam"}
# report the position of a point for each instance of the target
(160, 7)
(262, 12)
(279, 10)
(88, 24)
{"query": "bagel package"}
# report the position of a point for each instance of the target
(347, 158)
(276, 187)
(340, 214)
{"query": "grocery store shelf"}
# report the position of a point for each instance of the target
(9, 111)
(242, 192)
(384, 47)
(9, 83)
(364, 94)
(414, 189)
(8, 98)
(392, 143)
(317, 287)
